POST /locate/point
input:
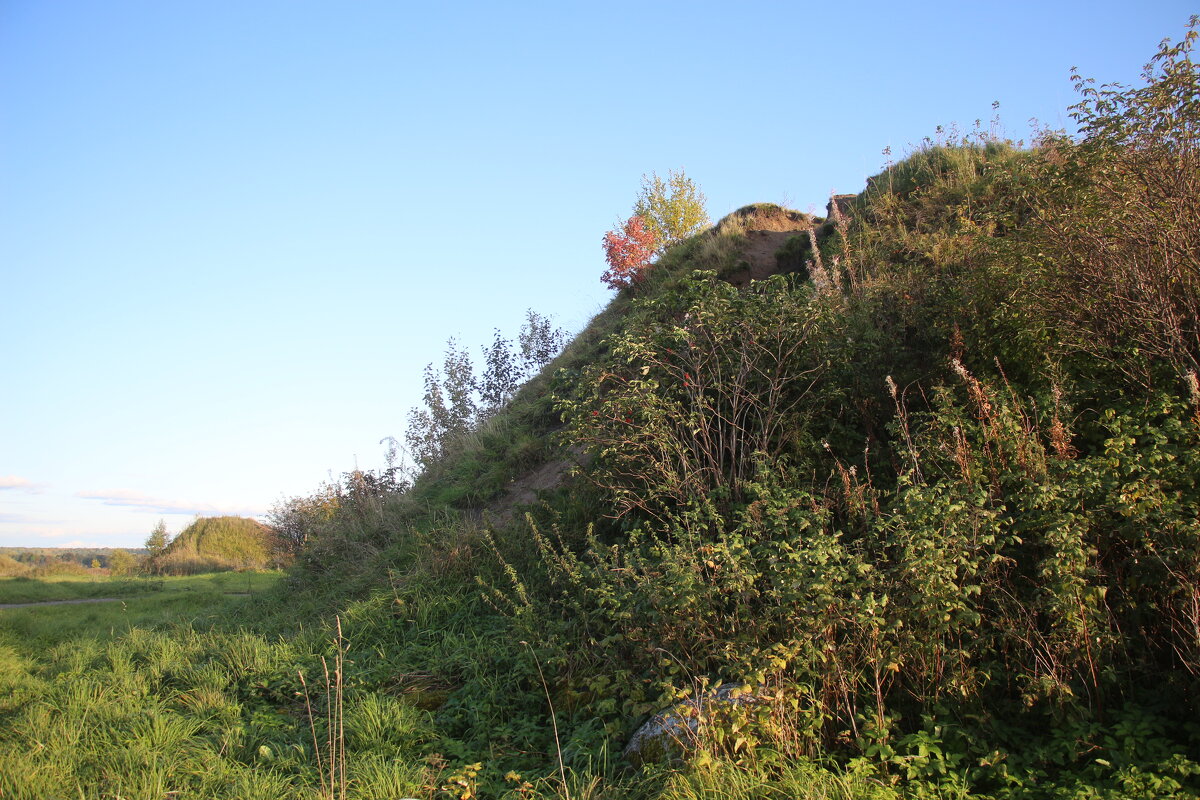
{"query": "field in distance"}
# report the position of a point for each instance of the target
(115, 604)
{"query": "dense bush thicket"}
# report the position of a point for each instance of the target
(939, 504)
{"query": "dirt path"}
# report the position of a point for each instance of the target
(94, 600)
(62, 602)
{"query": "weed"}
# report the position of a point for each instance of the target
(330, 753)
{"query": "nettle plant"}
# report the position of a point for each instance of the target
(688, 404)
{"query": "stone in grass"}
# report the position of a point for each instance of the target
(671, 735)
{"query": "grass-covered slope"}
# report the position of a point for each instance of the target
(933, 492)
(218, 543)
(945, 537)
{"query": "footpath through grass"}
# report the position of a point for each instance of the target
(72, 587)
(78, 587)
(139, 602)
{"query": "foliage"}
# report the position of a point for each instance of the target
(457, 402)
(936, 538)
(507, 365)
(539, 342)
(121, 562)
(157, 541)
(218, 543)
(499, 379)
(450, 407)
(1118, 224)
(295, 520)
(992, 542)
(346, 524)
(9, 566)
(628, 253)
(50, 558)
(672, 209)
(684, 413)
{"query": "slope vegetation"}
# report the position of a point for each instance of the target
(926, 486)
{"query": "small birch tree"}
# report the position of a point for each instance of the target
(673, 209)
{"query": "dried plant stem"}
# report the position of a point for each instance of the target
(313, 728)
(332, 767)
(562, 770)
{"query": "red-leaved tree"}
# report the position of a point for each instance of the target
(628, 252)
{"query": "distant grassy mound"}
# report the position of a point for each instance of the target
(219, 543)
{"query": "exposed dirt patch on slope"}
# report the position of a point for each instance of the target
(767, 228)
(528, 488)
(525, 489)
(759, 253)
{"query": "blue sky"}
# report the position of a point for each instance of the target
(233, 233)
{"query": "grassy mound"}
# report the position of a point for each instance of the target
(926, 484)
(212, 544)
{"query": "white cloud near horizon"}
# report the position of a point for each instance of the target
(23, 484)
(127, 498)
(25, 519)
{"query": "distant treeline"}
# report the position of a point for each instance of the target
(209, 544)
(84, 556)
(22, 560)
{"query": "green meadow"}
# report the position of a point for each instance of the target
(117, 604)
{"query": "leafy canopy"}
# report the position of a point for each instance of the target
(628, 253)
(1118, 222)
(673, 209)
(158, 539)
